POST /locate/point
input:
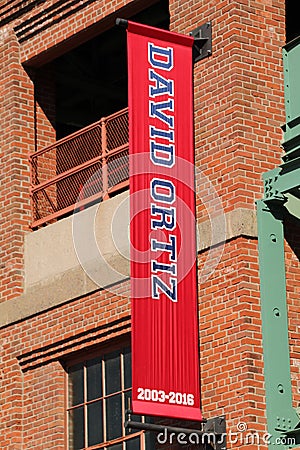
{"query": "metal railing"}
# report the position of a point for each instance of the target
(87, 166)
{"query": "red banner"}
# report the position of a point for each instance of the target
(165, 348)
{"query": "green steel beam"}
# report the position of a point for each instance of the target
(282, 180)
(282, 419)
(291, 66)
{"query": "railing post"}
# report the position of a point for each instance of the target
(104, 159)
(33, 182)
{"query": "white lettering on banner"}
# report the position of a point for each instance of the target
(162, 190)
(155, 395)
(166, 246)
(160, 57)
(162, 85)
(162, 153)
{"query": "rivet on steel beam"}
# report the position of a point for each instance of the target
(276, 312)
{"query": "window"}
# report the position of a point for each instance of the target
(91, 79)
(99, 390)
(292, 23)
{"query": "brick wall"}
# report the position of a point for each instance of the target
(238, 112)
(32, 377)
(239, 97)
(16, 141)
(230, 337)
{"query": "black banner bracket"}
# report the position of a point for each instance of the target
(211, 435)
(202, 41)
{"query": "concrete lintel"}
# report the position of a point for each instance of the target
(43, 296)
(75, 281)
(222, 228)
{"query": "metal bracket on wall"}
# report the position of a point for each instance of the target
(271, 190)
(281, 180)
(203, 41)
(211, 436)
(292, 436)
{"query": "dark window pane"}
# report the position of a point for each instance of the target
(114, 420)
(150, 440)
(95, 423)
(127, 368)
(115, 447)
(76, 428)
(94, 379)
(112, 373)
(133, 444)
(76, 385)
(150, 419)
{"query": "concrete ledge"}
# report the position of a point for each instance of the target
(219, 229)
(97, 234)
(67, 260)
(69, 285)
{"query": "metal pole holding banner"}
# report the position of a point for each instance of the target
(211, 435)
